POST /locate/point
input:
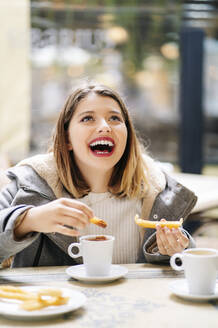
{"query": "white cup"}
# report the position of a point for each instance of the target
(200, 266)
(97, 254)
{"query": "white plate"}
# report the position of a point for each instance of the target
(78, 272)
(180, 288)
(11, 308)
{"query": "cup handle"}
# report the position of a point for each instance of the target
(70, 247)
(173, 264)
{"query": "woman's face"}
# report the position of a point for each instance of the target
(97, 133)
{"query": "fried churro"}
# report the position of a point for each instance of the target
(99, 222)
(153, 224)
(32, 301)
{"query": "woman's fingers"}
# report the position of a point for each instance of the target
(72, 214)
(66, 231)
(161, 248)
(161, 241)
(75, 204)
(70, 221)
(181, 238)
(171, 238)
(171, 241)
(63, 212)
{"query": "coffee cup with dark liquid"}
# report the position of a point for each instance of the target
(97, 238)
(200, 266)
(97, 251)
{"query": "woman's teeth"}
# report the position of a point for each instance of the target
(102, 147)
(102, 142)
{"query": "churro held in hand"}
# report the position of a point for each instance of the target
(153, 224)
(99, 222)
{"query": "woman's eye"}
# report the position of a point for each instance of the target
(87, 118)
(115, 118)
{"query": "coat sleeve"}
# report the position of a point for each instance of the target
(9, 213)
(173, 203)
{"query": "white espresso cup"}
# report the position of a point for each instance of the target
(97, 251)
(200, 266)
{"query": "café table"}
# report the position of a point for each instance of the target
(140, 299)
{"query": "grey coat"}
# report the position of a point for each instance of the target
(27, 189)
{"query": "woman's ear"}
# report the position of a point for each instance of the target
(69, 146)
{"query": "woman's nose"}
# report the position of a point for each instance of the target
(104, 127)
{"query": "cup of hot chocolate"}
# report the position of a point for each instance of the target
(96, 251)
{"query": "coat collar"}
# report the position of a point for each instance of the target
(45, 166)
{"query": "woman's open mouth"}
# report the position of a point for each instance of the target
(103, 146)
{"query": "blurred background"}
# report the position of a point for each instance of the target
(162, 56)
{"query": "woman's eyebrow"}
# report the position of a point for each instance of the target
(92, 111)
(86, 112)
(115, 112)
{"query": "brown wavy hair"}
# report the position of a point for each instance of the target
(129, 175)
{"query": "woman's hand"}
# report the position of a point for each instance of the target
(63, 215)
(170, 241)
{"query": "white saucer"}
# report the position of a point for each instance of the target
(180, 288)
(78, 272)
(10, 308)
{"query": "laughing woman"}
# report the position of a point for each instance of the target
(95, 167)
